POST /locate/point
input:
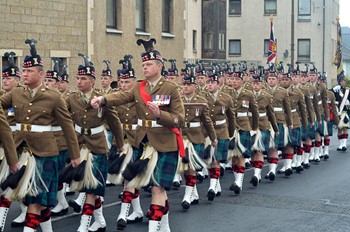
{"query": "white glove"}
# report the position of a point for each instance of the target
(336, 88)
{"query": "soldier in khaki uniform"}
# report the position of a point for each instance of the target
(36, 108)
(244, 105)
(299, 114)
(63, 82)
(128, 117)
(283, 114)
(107, 79)
(201, 78)
(267, 126)
(323, 117)
(333, 117)
(222, 115)
(197, 120)
(88, 124)
(160, 115)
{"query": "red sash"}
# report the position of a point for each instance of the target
(331, 114)
(146, 98)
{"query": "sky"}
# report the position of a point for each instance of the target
(344, 13)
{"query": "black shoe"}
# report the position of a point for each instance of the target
(110, 184)
(343, 148)
(254, 181)
(136, 220)
(76, 207)
(211, 195)
(176, 185)
(103, 229)
(247, 165)
(288, 172)
(280, 172)
(294, 168)
(121, 224)
(218, 194)
(321, 156)
(17, 224)
(326, 157)
(339, 149)
(185, 205)
(267, 176)
(272, 176)
(299, 169)
(234, 187)
(195, 202)
(70, 193)
(60, 213)
(147, 188)
(306, 166)
(317, 160)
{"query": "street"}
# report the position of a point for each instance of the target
(316, 200)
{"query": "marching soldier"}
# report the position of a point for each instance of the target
(36, 108)
(88, 124)
(197, 120)
(333, 117)
(298, 109)
(283, 114)
(222, 114)
(267, 126)
(244, 105)
(106, 79)
(343, 98)
(201, 78)
(160, 114)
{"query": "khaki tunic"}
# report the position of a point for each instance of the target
(281, 100)
(264, 101)
(298, 107)
(309, 103)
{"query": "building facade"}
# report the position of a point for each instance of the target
(101, 29)
(306, 34)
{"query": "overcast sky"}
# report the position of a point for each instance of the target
(344, 13)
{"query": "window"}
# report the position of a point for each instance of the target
(194, 40)
(304, 10)
(304, 49)
(5, 62)
(235, 47)
(166, 16)
(111, 14)
(208, 41)
(140, 16)
(221, 41)
(266, 46)
(234, 7)
(270, 7)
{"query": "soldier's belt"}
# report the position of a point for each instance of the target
(32, 128)
(220, 122)
(88, 131)
(13, 128)
(242, 114)
(129, 127)
(293, 110)
(262, 114)
(56, 128)
(277, 109)
(319, 102)
(148, 123)
(250, 114)
(192, 124)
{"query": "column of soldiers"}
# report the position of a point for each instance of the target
(145, 133)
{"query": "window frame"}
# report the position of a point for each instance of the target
(229, 8)
(114, 14)
(304, 58)
(240, 47)
(270, 12)
(142, 16)
(304, 16)
(210, 42)
(166, 18)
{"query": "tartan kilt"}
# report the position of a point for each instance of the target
(221, 150)
(47, 167)
(62, 158)
(100, 170)
(309, 132)
(199, 148)
(136, 153)
(321, 128)
(165, 169)
(247, 142)
(265, 139)
(330, 128)
(279, 140)
(294, 138)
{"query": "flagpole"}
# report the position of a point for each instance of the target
(292, 36)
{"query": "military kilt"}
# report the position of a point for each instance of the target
(247, 142)
(330, 125)
(136, 153)
(47, 167)
(221, 150)
(294, 137)
(279, 139)
(309, 132)
(62, 158)
(320, 128)
(265, 140)
(165, 169)
(199, 148)
(100, 170)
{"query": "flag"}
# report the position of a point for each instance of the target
(272, 53)
(338, 60)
